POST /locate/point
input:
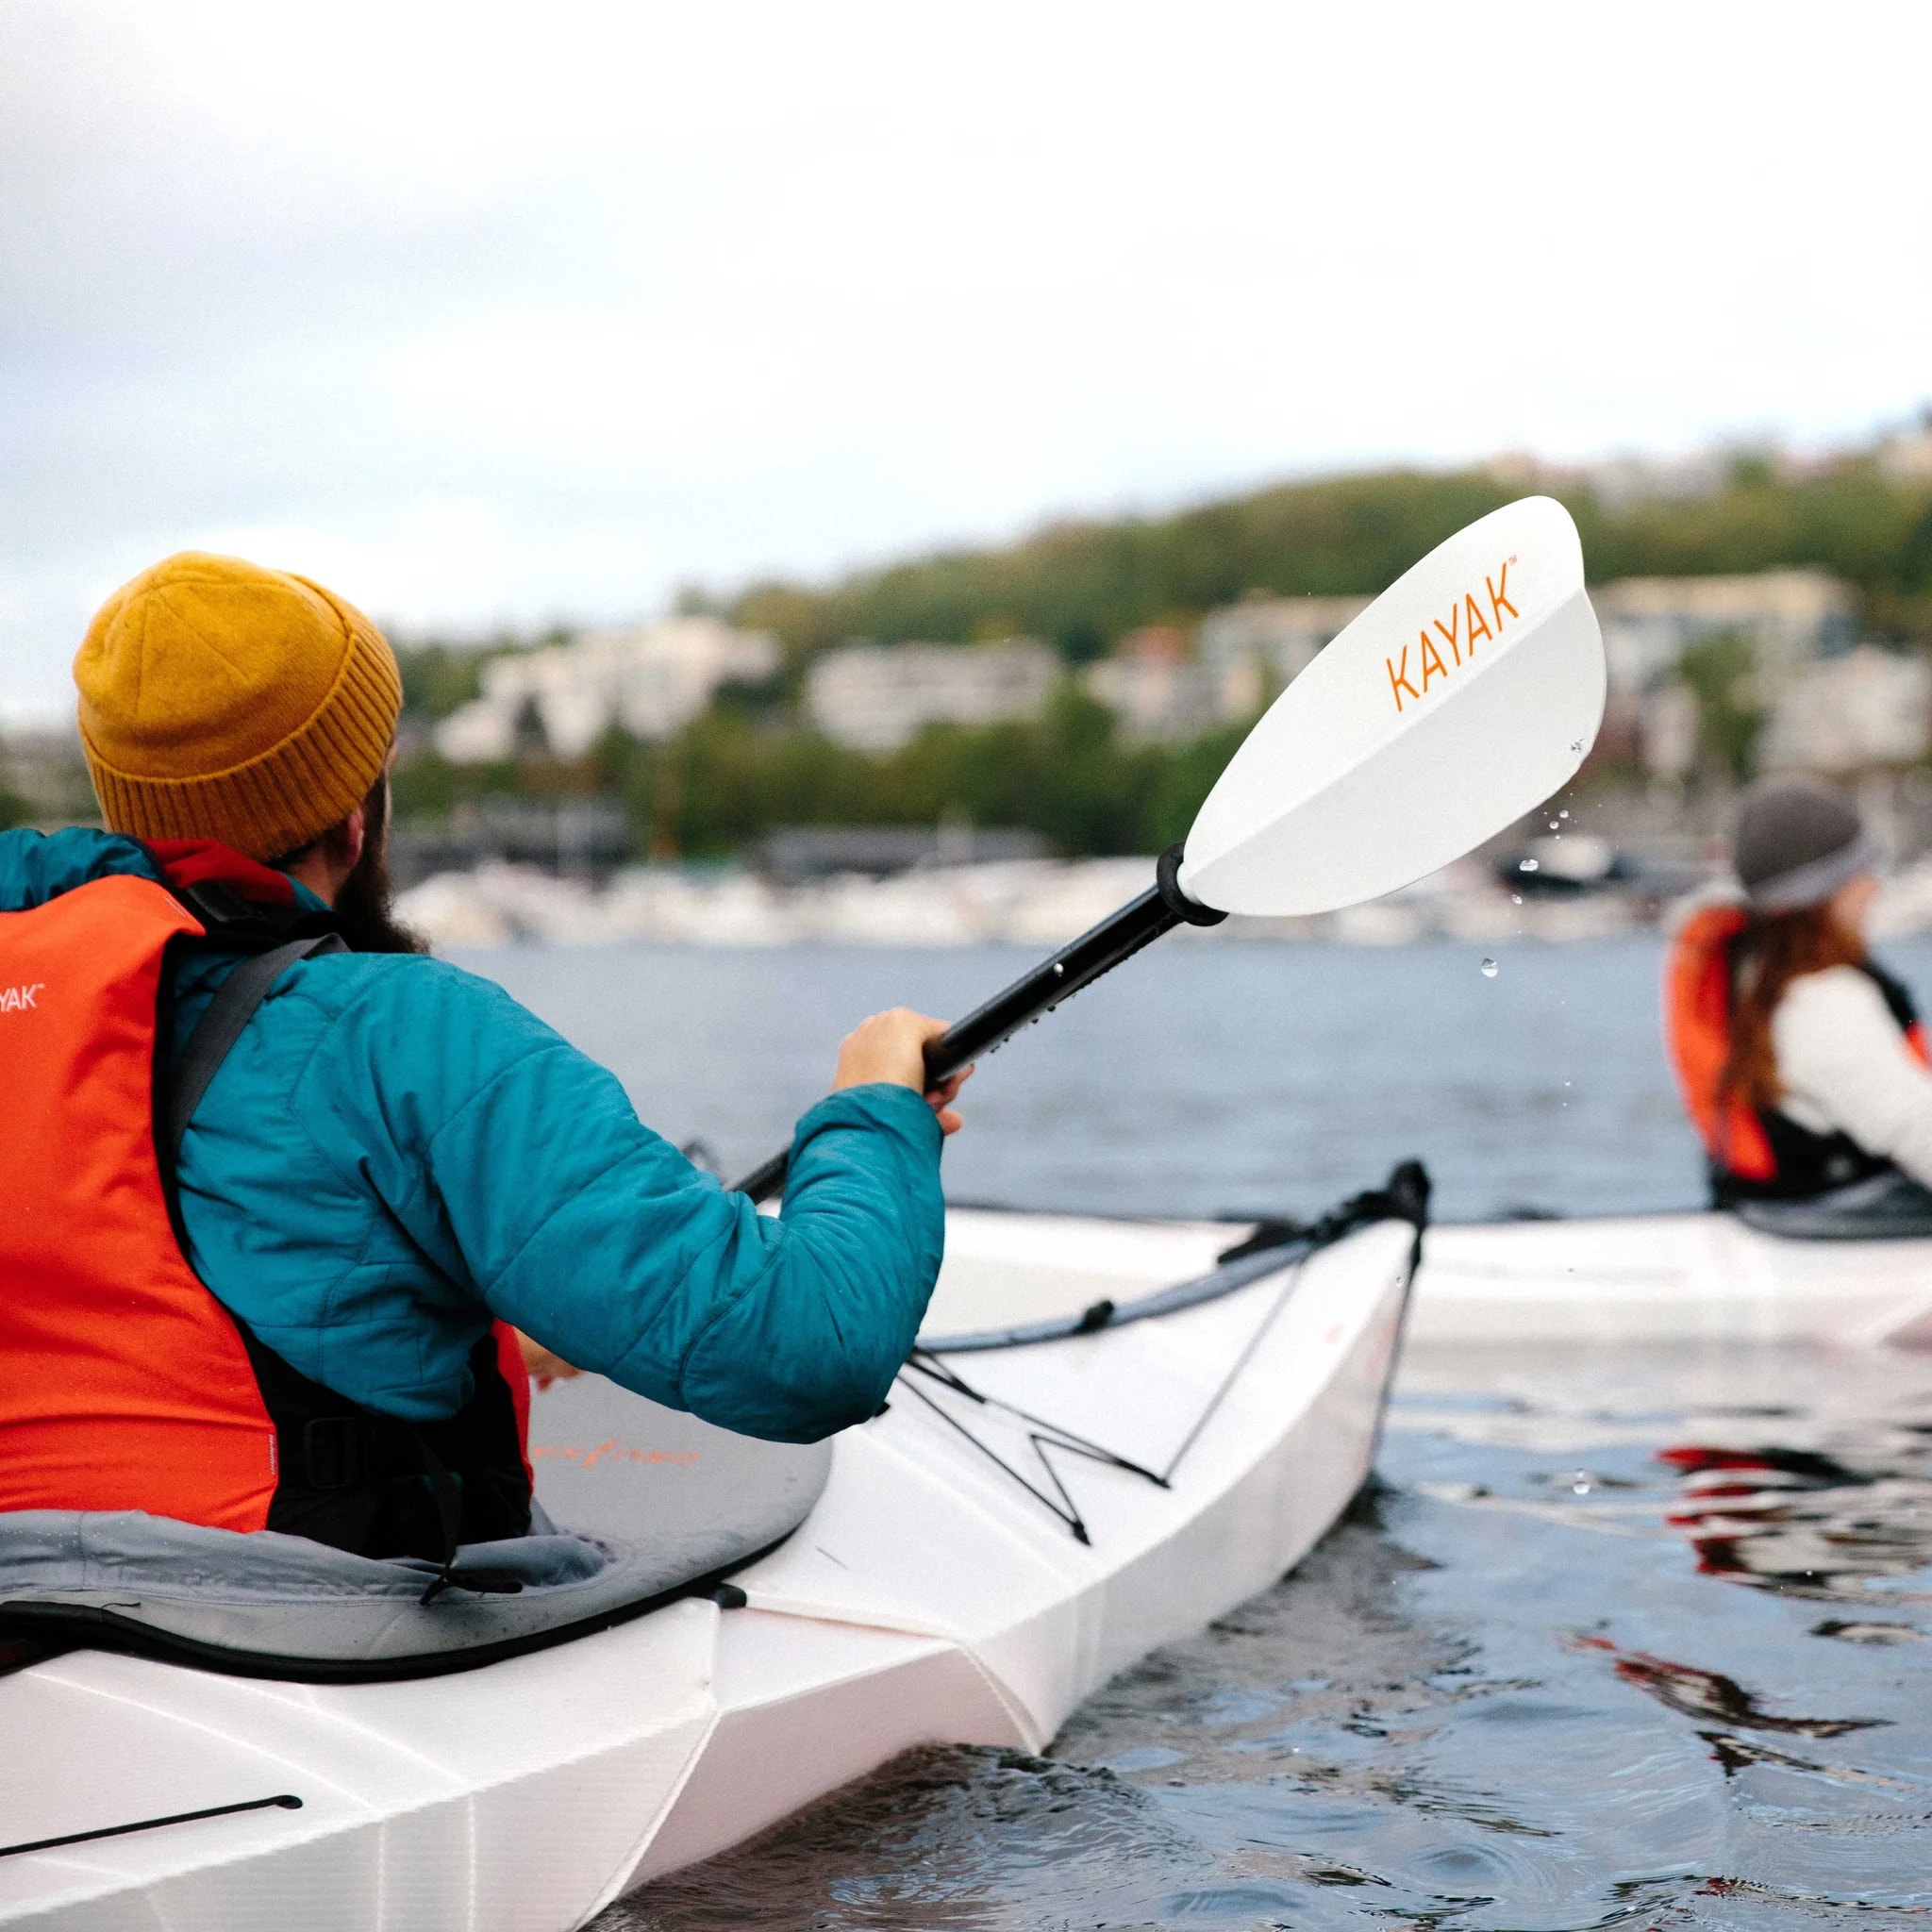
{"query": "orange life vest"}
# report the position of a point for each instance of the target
(1751, 1151)
(123, 1383)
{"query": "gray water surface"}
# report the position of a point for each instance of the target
(1204, 1077)
(1620, 1638)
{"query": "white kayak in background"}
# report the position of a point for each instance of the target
(953, 1583)
(1667, 1277)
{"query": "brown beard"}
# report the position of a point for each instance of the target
(364, 907)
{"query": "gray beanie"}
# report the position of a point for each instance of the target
(1797, 841)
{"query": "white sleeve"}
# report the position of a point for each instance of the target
(1843, 1059)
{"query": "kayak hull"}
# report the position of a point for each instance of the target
(927, 1598)
(1667, 1277)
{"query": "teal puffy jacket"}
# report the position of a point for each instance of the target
(395, 1151)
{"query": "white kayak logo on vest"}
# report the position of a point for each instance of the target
(16, 999)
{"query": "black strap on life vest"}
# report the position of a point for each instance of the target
(349, 1476)
(379, 1486)
(220, 1027)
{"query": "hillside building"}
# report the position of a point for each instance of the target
(1848, 714)
(1158, 690)
(1254, 649)
(1790, 618)
(877, 697)
(1799, 624)
(650, 679)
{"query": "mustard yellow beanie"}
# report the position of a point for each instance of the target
(219, 700)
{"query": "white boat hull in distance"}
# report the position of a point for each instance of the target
(1667, 1277)
(929, 1598)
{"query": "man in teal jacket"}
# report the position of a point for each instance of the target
(395, 1153)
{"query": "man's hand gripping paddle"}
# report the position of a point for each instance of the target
(1460, 699)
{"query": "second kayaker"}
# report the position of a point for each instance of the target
(300, 1321)
(1801, 1060)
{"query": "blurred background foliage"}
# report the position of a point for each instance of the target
(723, 782)
(747, 768)
(1720, 671)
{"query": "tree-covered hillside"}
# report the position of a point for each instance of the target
(1081, 585)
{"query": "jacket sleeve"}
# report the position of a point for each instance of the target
(522, 1168)
(1845, 1065)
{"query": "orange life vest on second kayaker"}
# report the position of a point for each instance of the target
(123, 1383)
(1754, 1153)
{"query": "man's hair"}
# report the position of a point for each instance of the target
(364, 907)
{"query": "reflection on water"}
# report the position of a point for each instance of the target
(1624, 1639)
(1800, 1522)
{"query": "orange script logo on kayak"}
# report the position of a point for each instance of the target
(1458, 638)
(608, 1452)
(17, 999)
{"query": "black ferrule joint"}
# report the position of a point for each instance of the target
(1167, 882)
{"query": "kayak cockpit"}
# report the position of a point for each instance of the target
(671, 1505)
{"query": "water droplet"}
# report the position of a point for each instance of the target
(1516, 898)
(1581, 1487)
(1577, 744)
(1491, 968)
(1562, 814)
(1525, 865)
(1554, 827)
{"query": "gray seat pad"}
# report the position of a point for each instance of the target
(656, 1502)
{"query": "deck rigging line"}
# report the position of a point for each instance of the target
(1404, 1197)
(286, 1801)
(1241, 1361)
(1041, 1434)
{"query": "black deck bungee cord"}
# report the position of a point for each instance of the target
(1041, 1434)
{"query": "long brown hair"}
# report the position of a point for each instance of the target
(1773, 949)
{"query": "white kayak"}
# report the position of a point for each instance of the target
(1667, 1277)
(931, 1595)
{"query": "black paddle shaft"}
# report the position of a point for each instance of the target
(1161, 908)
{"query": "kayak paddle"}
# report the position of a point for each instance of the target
(1460, 699)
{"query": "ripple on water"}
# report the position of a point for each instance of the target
(1626, 1641)
(946, 1837)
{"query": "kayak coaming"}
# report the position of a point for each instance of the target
(531, 1792)
(1666, 1278)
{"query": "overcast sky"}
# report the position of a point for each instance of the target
(492, 315)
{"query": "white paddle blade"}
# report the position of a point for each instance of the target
(1462, 697)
